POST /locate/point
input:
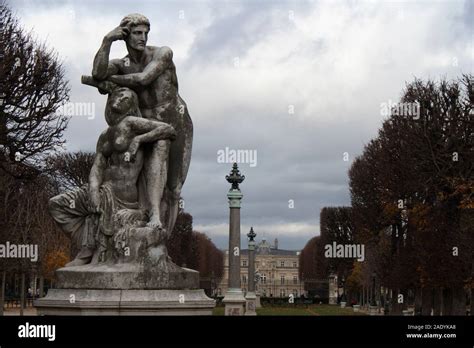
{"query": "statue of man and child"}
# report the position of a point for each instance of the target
(142, 158)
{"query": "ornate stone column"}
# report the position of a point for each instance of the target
(333, 291)
(234, 300)
(251, 298)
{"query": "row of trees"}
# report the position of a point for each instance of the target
(32, 87)
(336, 225)
(412, 194)
(193, 249)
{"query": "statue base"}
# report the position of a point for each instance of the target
(234, 302)
(124, 302)
(127, 276)
(161, 288)
(251, 303)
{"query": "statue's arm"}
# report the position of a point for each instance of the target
(161, 60)
(147, 131)
(96, 175)
(97, 171)
(102, 67)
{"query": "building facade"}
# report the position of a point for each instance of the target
(277, 270)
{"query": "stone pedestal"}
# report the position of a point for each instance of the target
(124, 302)
(259, 305)
(333, 289)
(126, 289)
(251, 303)
(127, 276)
(373, 310)
(234, 302)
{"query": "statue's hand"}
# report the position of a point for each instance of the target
(170, 131)
(119, 33)
(94, 201)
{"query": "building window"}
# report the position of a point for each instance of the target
(295, 292)
(244, 263)
(295, 279)
(282, 293)
(244, 279)
(282, 263)
(219, 292)
(264, 278)
(282, 279)
(295, 264)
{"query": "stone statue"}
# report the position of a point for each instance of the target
(150, 71)
(120, 221)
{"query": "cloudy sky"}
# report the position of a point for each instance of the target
(299, 82)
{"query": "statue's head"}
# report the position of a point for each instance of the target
(139, 26)
(122, 102)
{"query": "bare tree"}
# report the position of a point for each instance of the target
(72, 169)
(32, 89)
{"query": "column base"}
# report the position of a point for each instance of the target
(251, 304)
(259, 305)
(234, 302)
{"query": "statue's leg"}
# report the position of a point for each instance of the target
(179, 160)
(156, 174)
(70, 210)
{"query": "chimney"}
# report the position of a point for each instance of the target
(276, 243)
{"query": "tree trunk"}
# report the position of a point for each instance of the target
(396, 307)
(426, 300)
(459, 301)
(2, 290)
(437, 301)
(447, 302)
(35, 281)
(472, 302)
(41, 292)
(418, 301)
(367, 297)
(22, 295)
(404, 305)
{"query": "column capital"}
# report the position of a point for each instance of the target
(235, 197)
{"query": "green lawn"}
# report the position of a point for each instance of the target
(311, 310)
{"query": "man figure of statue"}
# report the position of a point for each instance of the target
(151, 73)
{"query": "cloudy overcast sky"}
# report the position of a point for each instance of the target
(299, 82)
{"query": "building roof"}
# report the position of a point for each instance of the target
(271, 251)
(264, 248)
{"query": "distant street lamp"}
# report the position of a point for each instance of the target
(234, 300)
(251, 298)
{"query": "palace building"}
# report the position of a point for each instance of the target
(277, 270)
